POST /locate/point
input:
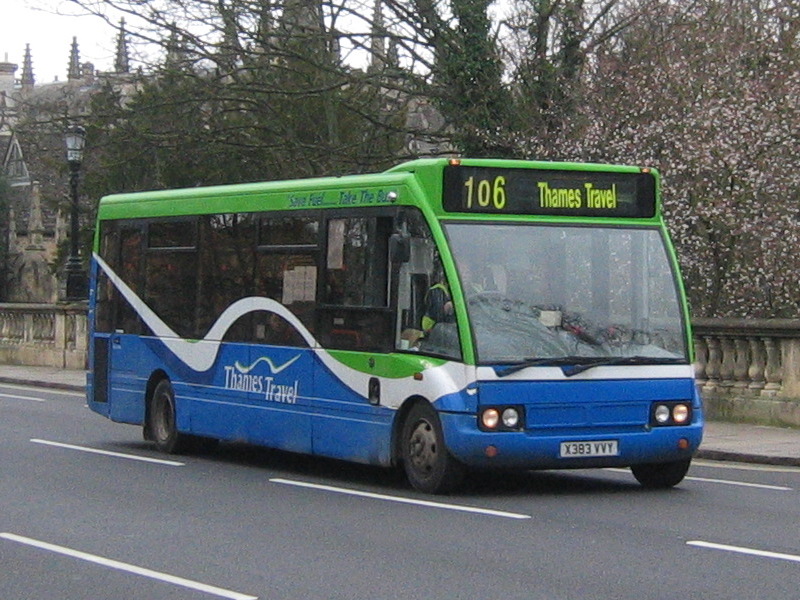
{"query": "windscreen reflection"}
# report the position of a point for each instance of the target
(548, 294)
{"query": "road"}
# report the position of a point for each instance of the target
(89, 510)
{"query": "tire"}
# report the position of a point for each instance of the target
(161, 425)
(661, 475)
(428, 465)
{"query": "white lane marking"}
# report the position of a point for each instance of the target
(158, 461)
(762, 486)
(743, 550)
(129, 568)
(19, 397)
(29, 388)
(714, 464)
(401, 500)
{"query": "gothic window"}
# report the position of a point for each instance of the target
(16, 169)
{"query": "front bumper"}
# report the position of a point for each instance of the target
(541, 450)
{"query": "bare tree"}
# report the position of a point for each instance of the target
(707, 90)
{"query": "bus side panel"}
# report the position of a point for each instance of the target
(97, 377)
(99, 353)
(129, 360)
(254, 394)
(346, 425)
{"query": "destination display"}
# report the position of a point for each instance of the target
(543, 192)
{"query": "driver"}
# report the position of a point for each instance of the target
(438, 306)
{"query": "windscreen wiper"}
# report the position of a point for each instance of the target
(572, 365)
(559, 361)
(570, 370)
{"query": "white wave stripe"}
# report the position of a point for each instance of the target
(275, 369)
(200, 355)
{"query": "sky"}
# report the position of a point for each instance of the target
(49, 26)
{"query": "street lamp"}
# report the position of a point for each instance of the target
(76, 287)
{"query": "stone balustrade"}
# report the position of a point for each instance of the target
(43, 335)
(749, 369)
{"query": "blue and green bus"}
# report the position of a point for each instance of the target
(443, 315)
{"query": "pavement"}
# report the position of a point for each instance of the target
(738, 442)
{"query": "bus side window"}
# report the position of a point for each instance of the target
(226, 267)
(270, 328)
(286, 271)
(291, 279)
(355, 313)
(130, 270)
(106, 293)
(171, 270)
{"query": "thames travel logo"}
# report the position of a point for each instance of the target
(239, 378)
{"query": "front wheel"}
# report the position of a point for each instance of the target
(661, 475)
(429, 466)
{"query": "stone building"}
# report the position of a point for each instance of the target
(34, 203)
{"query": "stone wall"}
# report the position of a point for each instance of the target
(749, 369)
(43, 335)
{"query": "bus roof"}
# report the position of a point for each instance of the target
(424, 164)
(309, 193)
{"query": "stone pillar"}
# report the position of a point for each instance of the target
(61, 335)
(727, 366)
(741, 365)
(790, 360)
(758, 363)
(714, 364)
(772, 372)
(700, 360)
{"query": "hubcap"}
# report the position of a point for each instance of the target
(422, 447)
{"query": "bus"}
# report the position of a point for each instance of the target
(444, 316)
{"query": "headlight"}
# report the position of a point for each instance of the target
(510, 418)
(502, 418)
(680, 413)
(662, 414)
(490, 418)
(665, 414)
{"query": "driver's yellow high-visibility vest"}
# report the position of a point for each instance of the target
(427, 321)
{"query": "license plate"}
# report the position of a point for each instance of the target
(589, 449)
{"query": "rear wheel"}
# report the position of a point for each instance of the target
(661, 475)
(161, 426)
(429, 466)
